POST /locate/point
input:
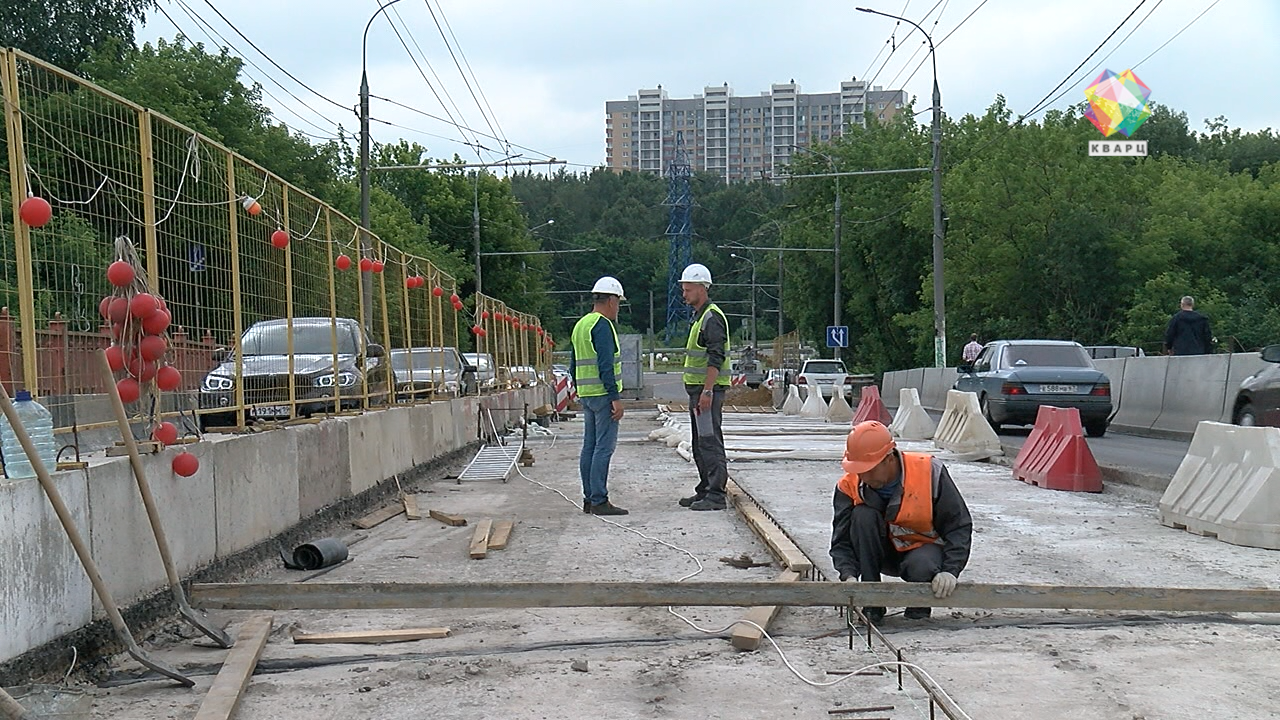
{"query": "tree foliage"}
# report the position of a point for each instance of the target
(67, 32)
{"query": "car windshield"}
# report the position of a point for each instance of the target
(1073, 356)
(424, 359)
(307, 340)
(826, 366)
(480, 361)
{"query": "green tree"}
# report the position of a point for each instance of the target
(67, 32)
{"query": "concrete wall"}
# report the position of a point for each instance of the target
(249, 488)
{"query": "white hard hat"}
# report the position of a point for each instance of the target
(696, 273)
(609, 286)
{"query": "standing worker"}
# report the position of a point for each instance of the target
(597, 373)
(706, 377)
(897, 513)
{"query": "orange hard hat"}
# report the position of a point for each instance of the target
(868, 443)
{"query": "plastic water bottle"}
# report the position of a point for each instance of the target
(39, 424)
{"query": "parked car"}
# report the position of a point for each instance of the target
(1013, 378)
(778, 378)
(1258, 399)
(263, 351)
(825, 374)
(486, 370)
(523, 375)
(423, 371)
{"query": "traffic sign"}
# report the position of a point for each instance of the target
(837, 336)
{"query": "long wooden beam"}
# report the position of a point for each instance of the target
(383, 596)
(224, 695)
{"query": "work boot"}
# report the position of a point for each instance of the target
(707, 504)
(874, 614)
(917, 613)
(687, 501)
(607, 508)
(586, 506)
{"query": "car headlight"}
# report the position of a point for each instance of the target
(343, 379)
(217, 383)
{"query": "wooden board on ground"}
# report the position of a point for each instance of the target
(411, 507)
(224, 695)
(72, 465)
(144, 446)
(501, 533)
(768, 530)
(748, 637)
(447, 519)
(372, 636)
(480, 539)
(377, 517)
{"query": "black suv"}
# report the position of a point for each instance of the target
(264, 351)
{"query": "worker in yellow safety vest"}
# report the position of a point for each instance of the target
(706, 377)
(596, 360)
(897, 513)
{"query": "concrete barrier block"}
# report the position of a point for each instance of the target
(814, 406)
(963, 429)
(838, 411)
(1143, 385)
(912, 421)
(1228, 486)
(324, 465)
(255, 485)
(1195, 388)
(1240, 366)
(364, 451)
(44, 591)
(936, 383)
(123, 543)
(444, 436)
(792, 405)
(890, 384)
(422, 429)
(396, 442)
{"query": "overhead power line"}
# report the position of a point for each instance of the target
(459, 66)
(473, 74)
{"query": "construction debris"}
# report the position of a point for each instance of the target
(480, 539)
(501, 533)
(372, 636)
(378, 517)
(228, 687)
(447, 519)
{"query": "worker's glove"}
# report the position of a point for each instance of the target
(944, 583)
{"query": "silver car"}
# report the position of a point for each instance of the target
(1013, 378)
(423, 371)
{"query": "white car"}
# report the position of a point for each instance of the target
(825, 374)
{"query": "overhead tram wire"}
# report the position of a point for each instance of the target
(478, 132)
(923, 43)
(459, 66)
(1175, 35)
(944, 39)
(210, 32)
(473, 74)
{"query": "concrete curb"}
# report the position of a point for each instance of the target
(1110, 473)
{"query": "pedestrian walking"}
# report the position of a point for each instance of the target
(597, 373)
(706, 377)
(972, 350)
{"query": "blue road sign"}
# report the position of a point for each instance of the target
(837, 336)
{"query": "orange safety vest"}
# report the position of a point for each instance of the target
(913, 527)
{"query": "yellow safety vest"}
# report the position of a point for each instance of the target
(586, 374)
(695, 355)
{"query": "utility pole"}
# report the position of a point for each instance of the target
(475, 232)
(653, 349)
(836, 352)
(779, 296)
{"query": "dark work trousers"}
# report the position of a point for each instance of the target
(708, 452)
(876, 553)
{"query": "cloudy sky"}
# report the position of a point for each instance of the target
(546, 68)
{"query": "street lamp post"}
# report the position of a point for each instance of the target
(753, 295)
(832, 162)
(939, 299)
(366, 244)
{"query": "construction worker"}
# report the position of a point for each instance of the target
(897, 513)
(706, 377)
(597, 372)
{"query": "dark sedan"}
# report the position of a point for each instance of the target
(1258, 400)
(1013, 378)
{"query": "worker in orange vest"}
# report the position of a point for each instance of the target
(897, 513)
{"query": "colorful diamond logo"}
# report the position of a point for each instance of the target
(1117, 103)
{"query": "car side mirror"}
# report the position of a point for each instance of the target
(221, 355)
(375, 350)
(1271, 353)
(964, 369)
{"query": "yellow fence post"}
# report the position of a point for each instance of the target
(386, 324)
(408, 332)
(237, 317)
(288, 297)
(149, 200)
(21, 233)
(333, 310)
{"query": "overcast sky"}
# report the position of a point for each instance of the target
(546, 68)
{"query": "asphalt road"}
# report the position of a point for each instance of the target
(1149, 455)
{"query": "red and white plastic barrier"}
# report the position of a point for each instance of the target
(565, 393)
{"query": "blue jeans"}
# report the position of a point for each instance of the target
(599, 438)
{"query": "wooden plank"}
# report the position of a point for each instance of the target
(501, 533)
(411, 507)
(480, 539)
(764, 526)
(377, 517)
(372, 636)
(144, 446)
(389, 596)
(447, 519)
(228, 687)
(748, 637)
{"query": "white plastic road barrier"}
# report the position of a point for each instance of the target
(839, 411)
(792, 405)
(1228, 486)
(912, 421)
(814, 406)
(963, 429)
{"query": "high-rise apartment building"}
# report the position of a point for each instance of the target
(737, 138)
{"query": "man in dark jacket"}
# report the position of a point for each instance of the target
(1188, 332)
(897, 513)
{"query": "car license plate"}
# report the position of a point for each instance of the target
(1059, 389)
(272, 411)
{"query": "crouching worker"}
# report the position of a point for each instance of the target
(897, 513)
